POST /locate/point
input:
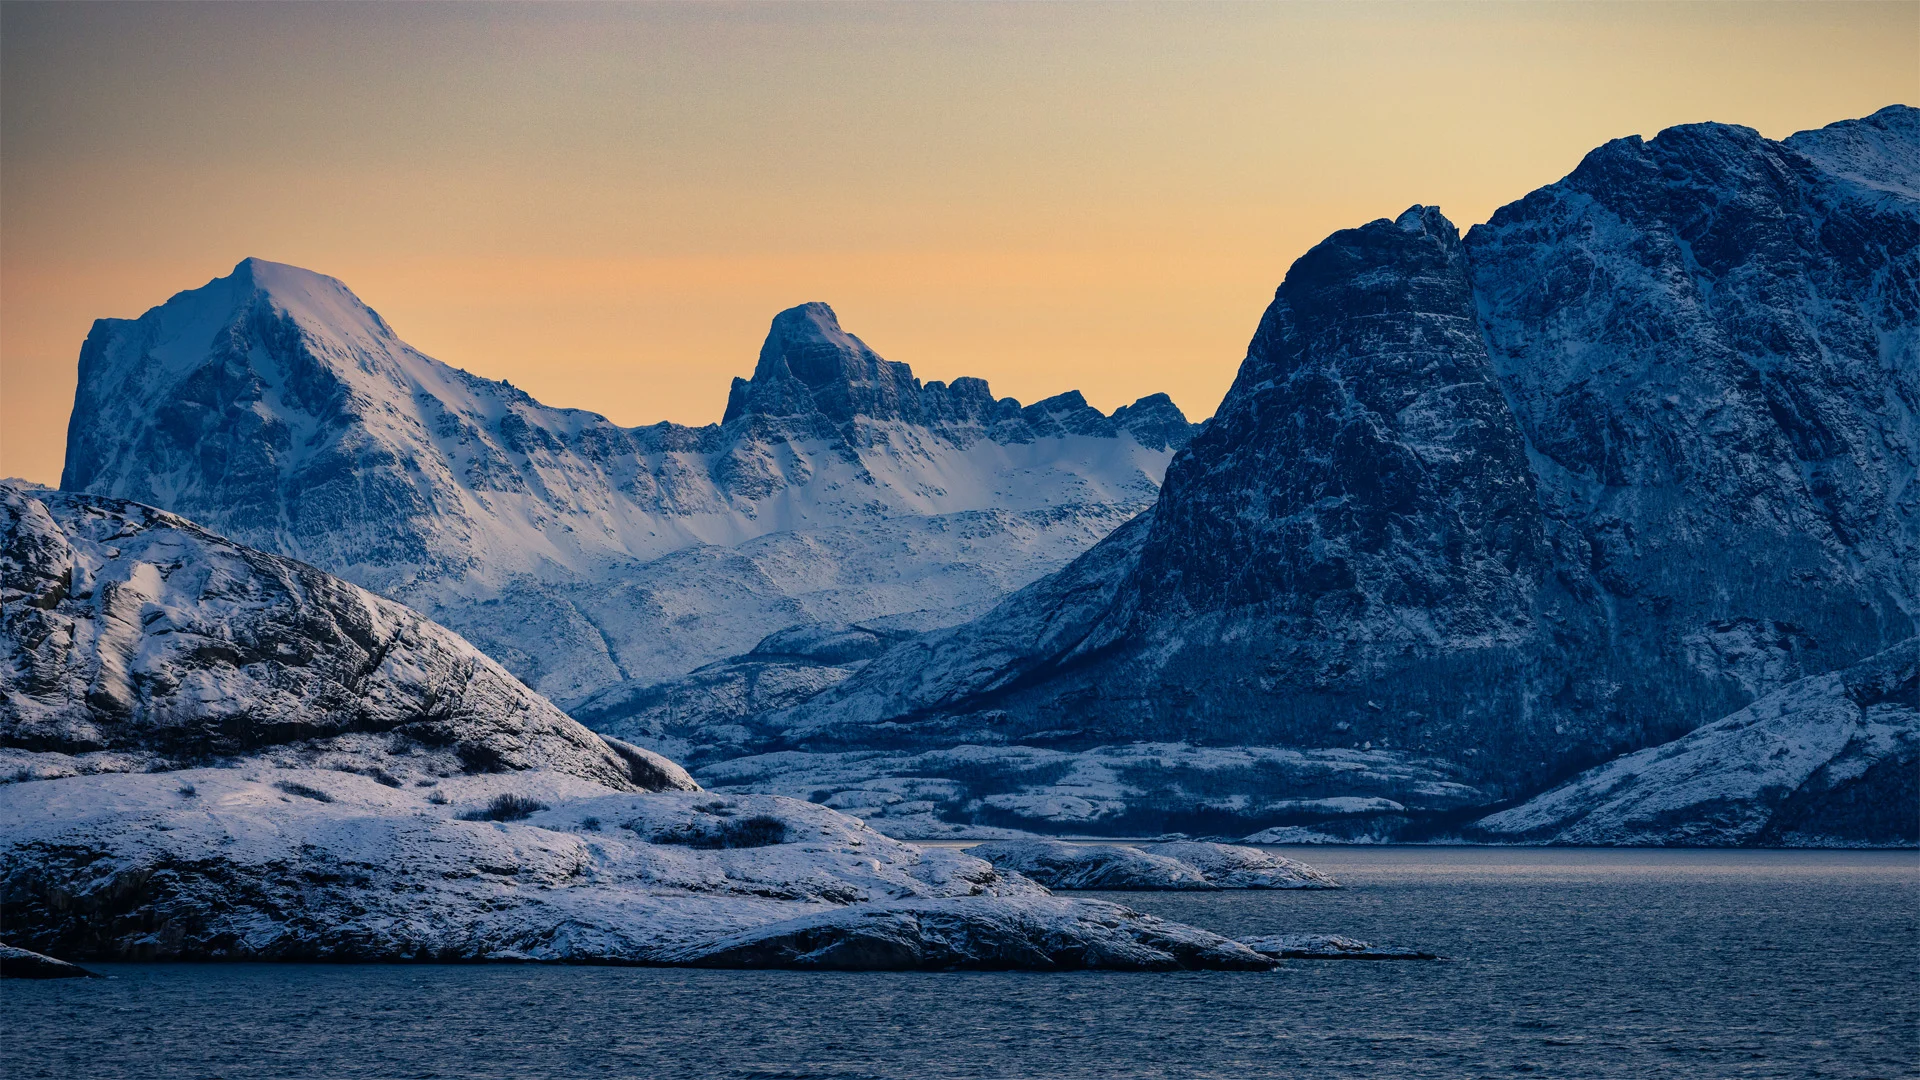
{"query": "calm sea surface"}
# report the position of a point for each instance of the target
(1567, 963)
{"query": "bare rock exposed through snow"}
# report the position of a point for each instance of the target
(1179, 865)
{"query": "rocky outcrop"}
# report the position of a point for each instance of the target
(298, 864)
(1829, 761)
(1029, 934)
(1060, 865)
(1181, 865)
(135, 639)
(1635, 452)
(1229, 866)
(1327, 947)
(275, 407)
(26, 964)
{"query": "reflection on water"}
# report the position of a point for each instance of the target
(1570, 963)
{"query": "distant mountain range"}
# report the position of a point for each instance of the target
(1477, 514)
(274, 406)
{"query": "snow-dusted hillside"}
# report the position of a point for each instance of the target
(136, 640)
(1829, 761)
(274, 406)
(1637, 451)
(207, 751)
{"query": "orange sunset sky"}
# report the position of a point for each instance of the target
(606, 204)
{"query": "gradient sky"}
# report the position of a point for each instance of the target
(606, 204)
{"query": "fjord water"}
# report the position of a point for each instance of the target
(1565, 963)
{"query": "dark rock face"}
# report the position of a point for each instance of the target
(1710, 343)
(1391, 494)
(1635, 453)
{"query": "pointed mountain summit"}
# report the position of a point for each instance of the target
(810, 368)
(276, 407)
(810, 365)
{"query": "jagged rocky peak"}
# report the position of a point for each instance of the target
(1363, 473)
(809, 364)
(811, 367)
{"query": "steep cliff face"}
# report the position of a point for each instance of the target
(275, 406)
(1638, 451)
(1355, 539)
(135, 640)
(1363, 476)
(1712, 343)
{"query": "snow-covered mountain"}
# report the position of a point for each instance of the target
(1477, 513)
(274, 406)
(1637, 451)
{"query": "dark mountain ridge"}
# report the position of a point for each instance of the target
(1635, 452)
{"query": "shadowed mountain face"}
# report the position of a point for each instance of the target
(1636, 452)
(1391, 496)
(274, 406)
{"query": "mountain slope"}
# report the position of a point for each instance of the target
(275, 406)
(1634, 453)
(1830, 760)
(211, 752)
(136, 640)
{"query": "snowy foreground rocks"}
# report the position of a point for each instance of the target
(1181, 865)
(1829, 761)
(263, 863)
(209, 752)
